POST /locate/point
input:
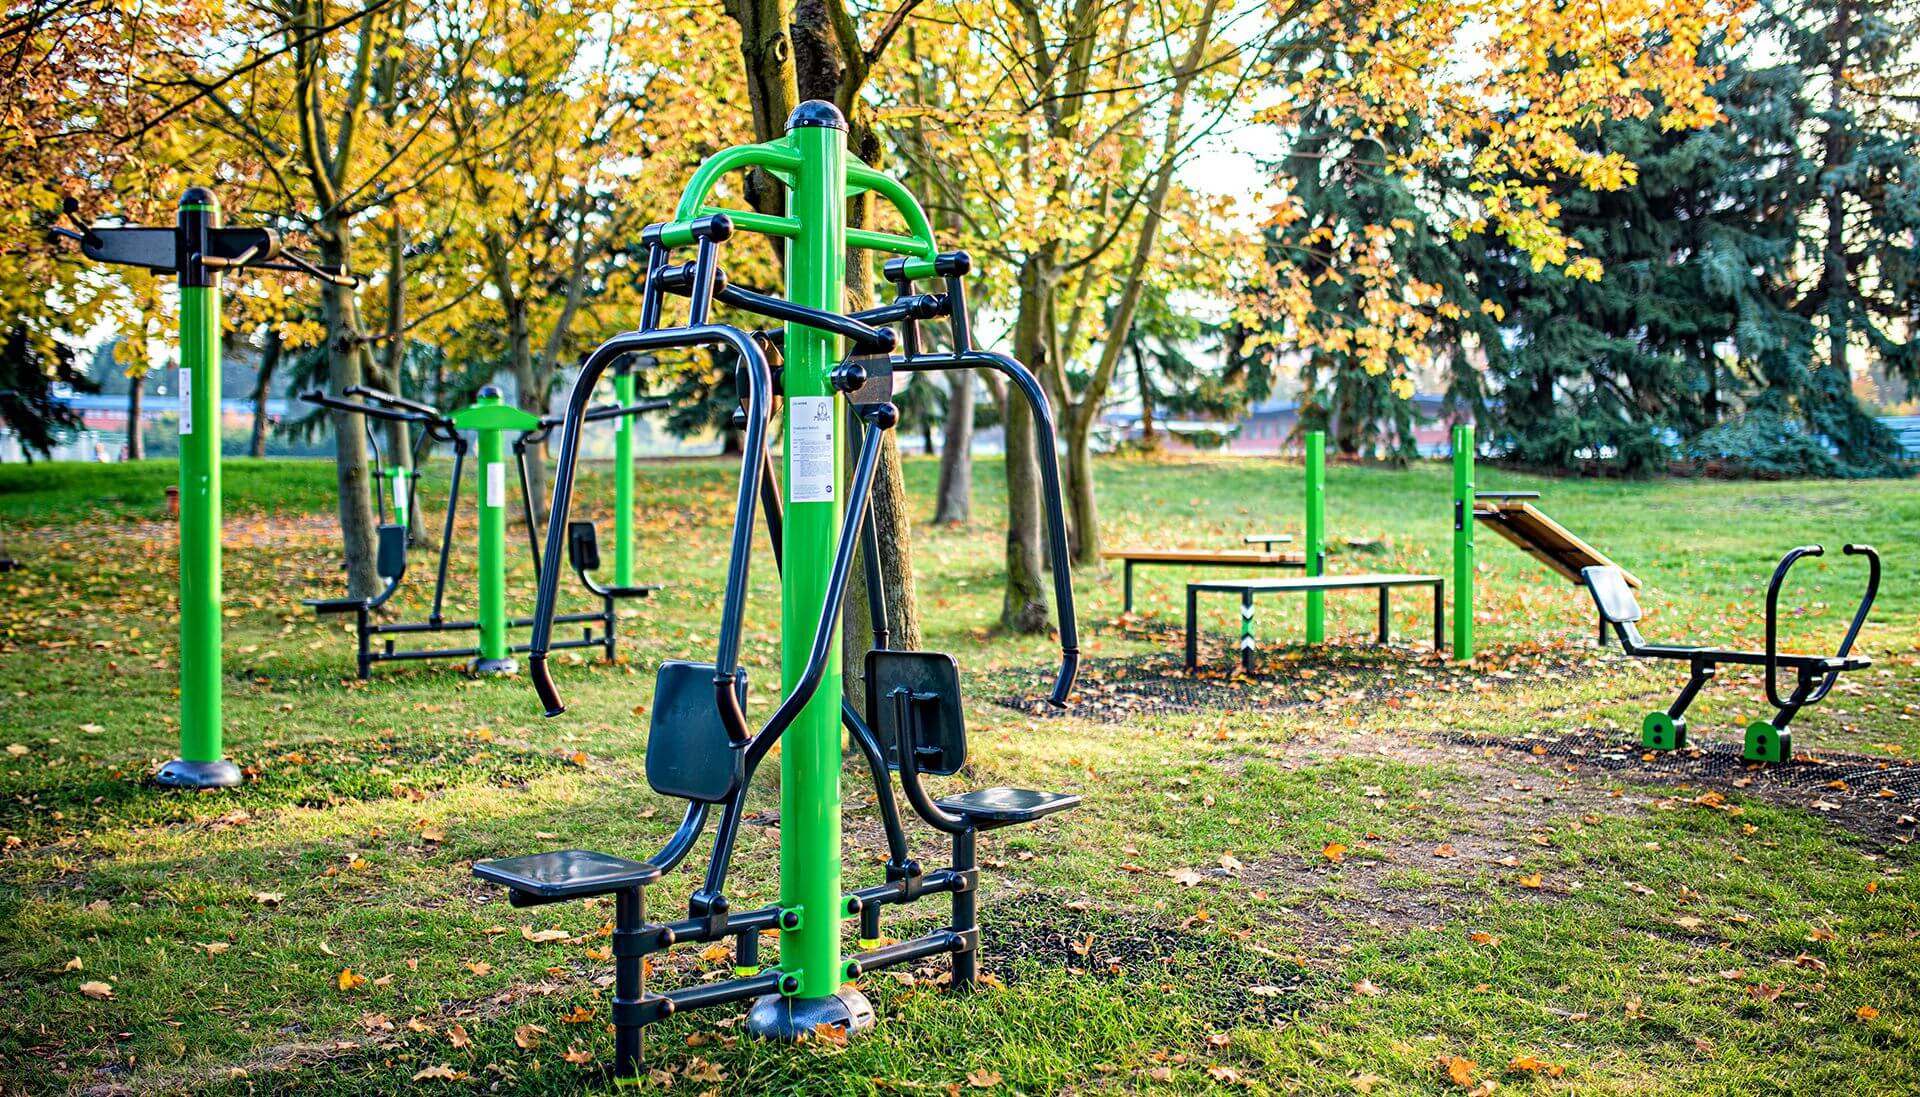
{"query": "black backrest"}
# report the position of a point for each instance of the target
(390, 557)
(1612, 594)
(933, 681)
(688, 752)
(583, 546)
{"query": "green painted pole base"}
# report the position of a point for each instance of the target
(1766, 743)
(1662, 732)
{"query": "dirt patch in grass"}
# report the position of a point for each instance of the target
(1875, 797)
(1121, 689)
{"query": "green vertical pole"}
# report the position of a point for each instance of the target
(623, 384)
(200, 764)
(1316, 533)
(489, 417)
(810, 898)
(1463, 543)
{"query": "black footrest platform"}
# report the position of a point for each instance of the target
(567, 874)
(989, 808)
(336, 605)
(633, 592)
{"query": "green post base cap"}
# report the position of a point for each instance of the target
(1662, 732)
(1766, 743)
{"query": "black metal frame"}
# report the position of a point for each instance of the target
(1247, 588)
(437, 426)
(1815, 675)
(867, 385)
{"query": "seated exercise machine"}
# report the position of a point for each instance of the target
(488, 418)
(702, 748)
(1815, 675)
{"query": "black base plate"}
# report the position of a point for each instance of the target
(776, 1017)
(181, 773)
(482, 667)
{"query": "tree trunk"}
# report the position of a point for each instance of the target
(262, 389)
(1834, 262)
(1081, 501)
(347, 360)
(136, 433)
(1024, 608)
(393, 366)
(1147, 439)
(954, 505)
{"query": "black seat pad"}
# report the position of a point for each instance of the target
(988, 808)
(567, 873)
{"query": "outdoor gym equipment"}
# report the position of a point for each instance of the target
(1317, 582)
(1513, 516)
(1766, 741)
(488, 419)
(701, 747)
(200, 250)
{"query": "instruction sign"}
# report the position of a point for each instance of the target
(186, 401)
(496, 484)
(810, 449)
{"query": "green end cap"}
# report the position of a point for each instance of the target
(745, 971)
(493, 415)
(918, 268)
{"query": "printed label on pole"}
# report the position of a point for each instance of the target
(400, 494)
(496, 484)
(186, 401)
(810, 449)
(620, 425)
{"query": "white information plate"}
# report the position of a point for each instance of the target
(496, 484)
(186, 400)
(810, 449)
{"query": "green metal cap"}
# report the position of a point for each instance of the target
(490, 413)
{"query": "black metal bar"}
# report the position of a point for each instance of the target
(760, 399)
(966, 922)
(1193, 645)
(1030, 390)
(906, 952)
(446, 529)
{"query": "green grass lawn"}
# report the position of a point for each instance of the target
(1369, 874)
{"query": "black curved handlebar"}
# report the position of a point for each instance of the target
(760, 386)
(1029, 387)
(1779, 579)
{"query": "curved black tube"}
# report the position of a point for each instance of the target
(760, 385)
(384, 397)
(1772, 663)
(371, 411)
(903, 722)
(1029, 387)
(825, 632)
(1819, 693)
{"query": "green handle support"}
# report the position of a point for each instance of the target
(1316, 532)
(490, 417)
(1463, 543)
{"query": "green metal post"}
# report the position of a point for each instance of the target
(811, 901)
(1463, 543)
(200, 764)
(623, 385)
(489, 417)
(1316, 533)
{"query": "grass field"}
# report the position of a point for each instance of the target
(1363, 871)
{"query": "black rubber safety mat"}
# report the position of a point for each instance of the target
(1115, 690)
(1875, 795)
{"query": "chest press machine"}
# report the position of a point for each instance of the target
(1814, 675)
(701, 747)
(490, 418)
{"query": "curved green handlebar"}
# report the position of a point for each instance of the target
(781, 159)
